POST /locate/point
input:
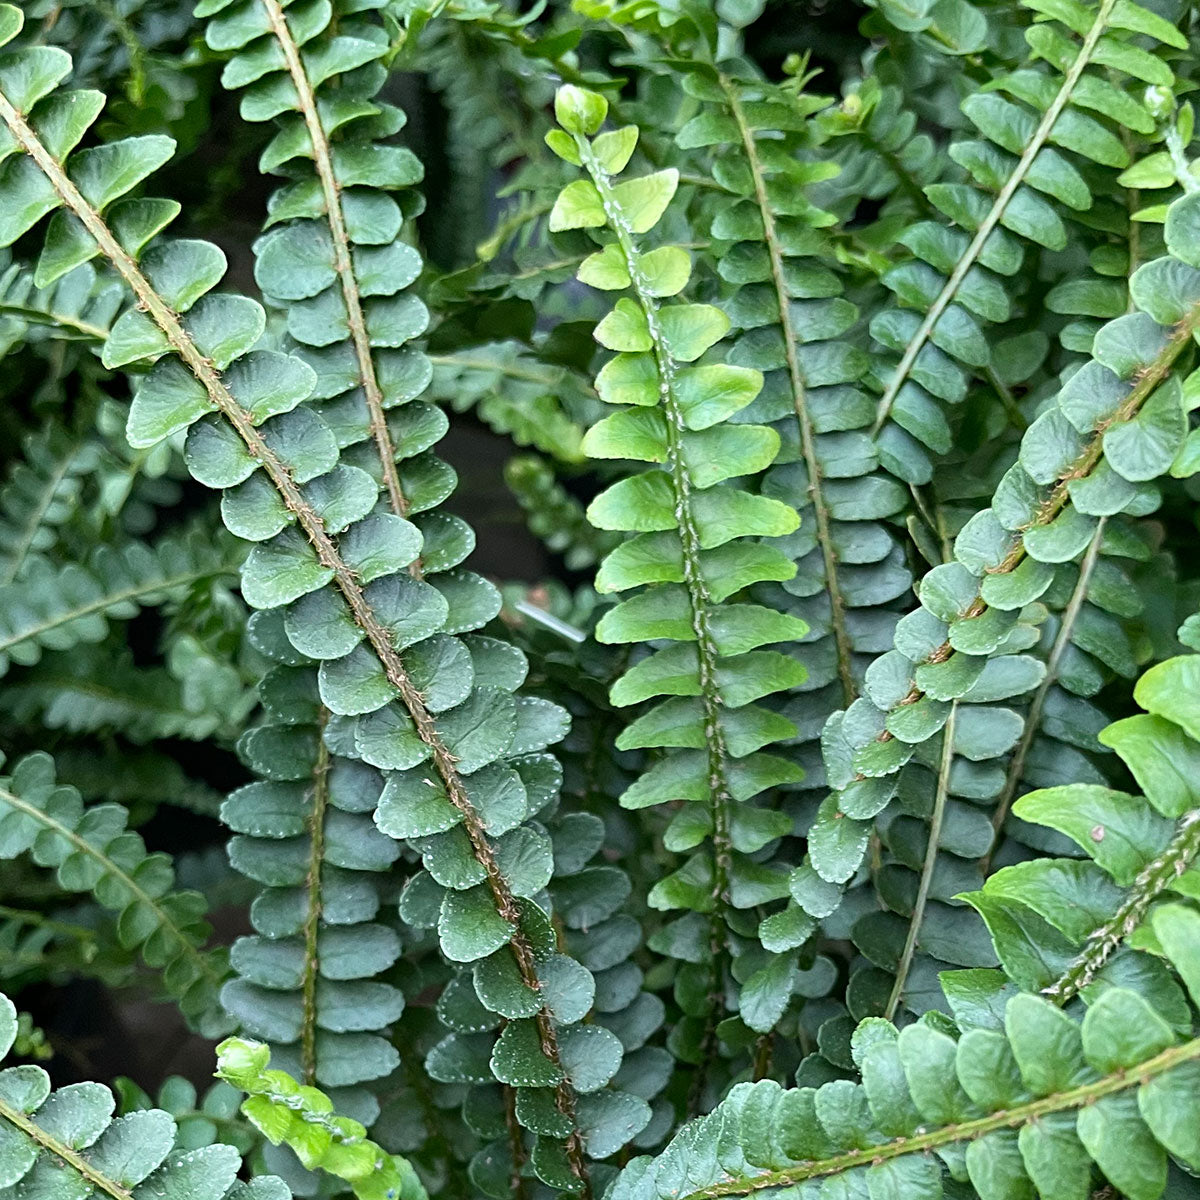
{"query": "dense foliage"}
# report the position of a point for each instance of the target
(797, 790)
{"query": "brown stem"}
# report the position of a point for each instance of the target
(312, 920)
(47, 1141)
(1058, 499)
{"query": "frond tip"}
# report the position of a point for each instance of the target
(303, 1118)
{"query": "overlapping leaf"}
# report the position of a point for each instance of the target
(1026, 1102)
(698, 539)
(374, 601)
(961, 660)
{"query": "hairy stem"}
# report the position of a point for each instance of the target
(1059, 497)
(47, 1141)
(989, 222)
(927, 867)
(808, 441)
(948, 1135)
(1155, 878)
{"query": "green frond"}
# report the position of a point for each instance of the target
(1046, 129)
(697, 542)
(555, 515)
(1115, 427)
(199, 1119)
(91, 851)
(54, 607)
(79, 307)
(517, 395)
(773, 253)
(304, 1119)
(41, 494)
(371, 599)
(66, 1142)
(1058, 924)
(307, 978)
(333, 257)
(1029, 1103)
(87, 689)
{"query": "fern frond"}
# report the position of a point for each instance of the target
(691, 552)
(200, 1120)
(1038, 1106)
(92, 851)
(87, 690)
(307, 978)
(302, 1118)
(1059, 924)
(41, 494)
(1020, 178)
(460, 747)
(882, 154)
(1116, 426)
(515, 394)
(346, 307)
(791, 321)
(79, 307)
(54, 607)
(554, 515)
(67, 1143)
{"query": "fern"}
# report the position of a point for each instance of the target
(792, 319)
(59, 608)
(40, 495)
(345, 303)
(376, 646)
(514, 394)
(91, 690)
(302, 1118)
(1142, 850)
(711, 842)
(693, 548)
(305, 976)
(80, 306)
(91, 851)
(1090, 455)
(66, 1142)
(956, 278)
(556, 516)
(1022, 1108)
